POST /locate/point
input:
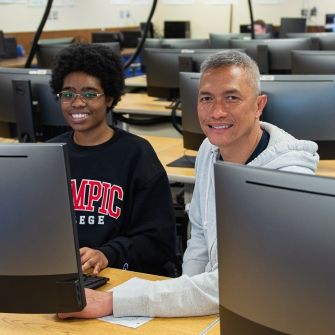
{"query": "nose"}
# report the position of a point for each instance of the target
(78, 101)
(218, 109)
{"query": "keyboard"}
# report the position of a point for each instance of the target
(94, 281)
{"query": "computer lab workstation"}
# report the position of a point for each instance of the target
(267, 266)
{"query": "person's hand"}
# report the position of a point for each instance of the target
(98, 304)
(92, 260)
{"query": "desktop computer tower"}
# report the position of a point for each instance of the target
(177, 29)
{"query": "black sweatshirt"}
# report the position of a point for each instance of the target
(122, 201)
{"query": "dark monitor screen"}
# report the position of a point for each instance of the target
(177, 29)
(292, 25)
(40, 270)
(313, 62)
(304, 106)
(275, 251)
(330, 22)
(192, 132)
(46, 107)
(105, 36)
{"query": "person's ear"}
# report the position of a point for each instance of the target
(261, 102)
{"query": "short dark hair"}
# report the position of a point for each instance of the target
(96, 60)
(261, 23)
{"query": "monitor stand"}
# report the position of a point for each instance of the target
(183, 162)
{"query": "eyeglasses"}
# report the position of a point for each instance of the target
(86, 96)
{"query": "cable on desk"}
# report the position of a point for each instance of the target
(174, 118)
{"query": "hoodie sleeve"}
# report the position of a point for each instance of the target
(177, 297)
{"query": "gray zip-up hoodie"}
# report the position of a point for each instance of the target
(196, 291)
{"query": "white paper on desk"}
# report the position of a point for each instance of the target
(129, 321)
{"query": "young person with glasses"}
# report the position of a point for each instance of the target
(121, 193)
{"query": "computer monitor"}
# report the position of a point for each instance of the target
(2, 45)
(185, 43)
(46, 107)
(130, 38)
(275, 251)
(330, 23)
(46, 53)
(326, 41)
(191, 60)
(106, 36)
(218, 41)
(161, 67)
(40, 270)
(304, 106)
(177, 29)
(189, 88)
(292, 25)
(313, 62)
(273, 55)
(58, 40)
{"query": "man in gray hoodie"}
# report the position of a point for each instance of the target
(229, 108)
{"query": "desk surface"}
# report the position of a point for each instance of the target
(41, 324)
(13, 62)
(136, 81)
(169, 149)
(142, 104)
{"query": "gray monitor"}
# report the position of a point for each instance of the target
(275, 251)
(40, 270)
(304, 106)
(313, 62)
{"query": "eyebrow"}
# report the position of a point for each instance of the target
(86, 88)
(230, 91)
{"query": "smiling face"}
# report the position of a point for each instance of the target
(229, 109)
(86, 118)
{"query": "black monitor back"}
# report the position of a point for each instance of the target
(45, 104)
(192, 132)
(46, 54)
(273, 55)
(292, 25)
(304, 106)
(313, 62)
(40, 269)
(275, 251)
(218, 41)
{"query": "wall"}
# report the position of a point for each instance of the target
(204, 18)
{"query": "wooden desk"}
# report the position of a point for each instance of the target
(13, 62)
(169, 149)
(142, 104)
(41, 324)
(136, 81)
